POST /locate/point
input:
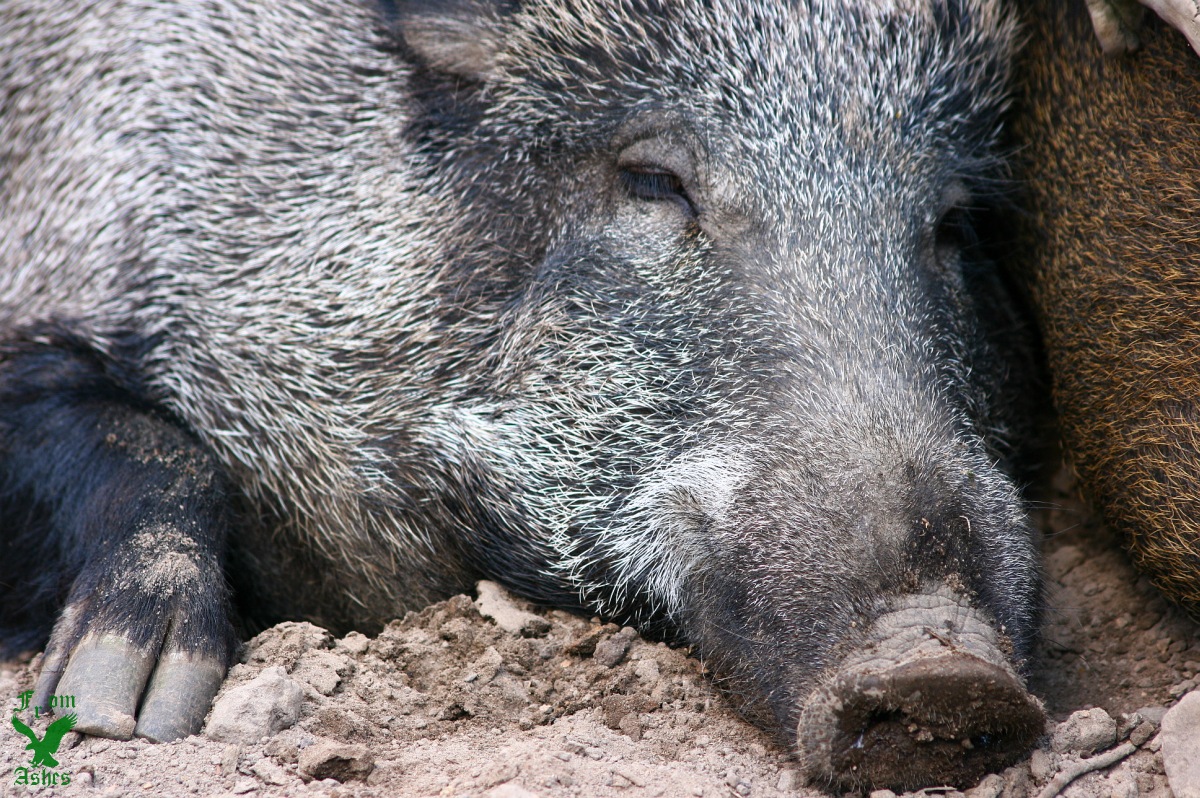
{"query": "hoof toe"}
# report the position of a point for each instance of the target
(179, 696)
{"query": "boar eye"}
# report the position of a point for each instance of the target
(648, 183)
(956, 230)
(955, 227)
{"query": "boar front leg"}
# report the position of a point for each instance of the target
(113, 512)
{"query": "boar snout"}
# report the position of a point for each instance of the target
(929, 697)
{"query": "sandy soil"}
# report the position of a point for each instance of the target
(448, 703)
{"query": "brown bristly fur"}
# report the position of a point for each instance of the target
(1109, 157)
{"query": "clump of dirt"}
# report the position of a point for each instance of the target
(492, 698)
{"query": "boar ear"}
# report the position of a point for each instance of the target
(459, 37)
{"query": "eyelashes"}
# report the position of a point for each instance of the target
(648, 184)
(956, 229)
(655, 185)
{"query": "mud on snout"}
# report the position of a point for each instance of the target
(930, 698)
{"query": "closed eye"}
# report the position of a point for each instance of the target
(654, 185)
(956, 229)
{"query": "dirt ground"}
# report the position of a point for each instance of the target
(447, 702)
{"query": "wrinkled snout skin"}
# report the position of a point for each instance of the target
(671, 312)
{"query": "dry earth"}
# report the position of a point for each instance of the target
(447, 702)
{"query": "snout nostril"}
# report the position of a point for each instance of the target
(983, 741)
(943, 720)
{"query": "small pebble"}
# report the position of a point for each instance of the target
(992, 786)
(229, 760)
(1041, 766)
(270, 772)
(629, 777)
(327, 759)
(267, 704)
(1183, 687)
(502, 607)
(355, 642)
(1141, 733)
(647, 671)
(610, 652)
(789, 780)
(631, 726)
(322, 670)
(1085, 732)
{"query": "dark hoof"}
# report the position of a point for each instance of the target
(107, 676)
(140, 655)
(179, 695)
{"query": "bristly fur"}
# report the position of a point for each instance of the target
(381, 264)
